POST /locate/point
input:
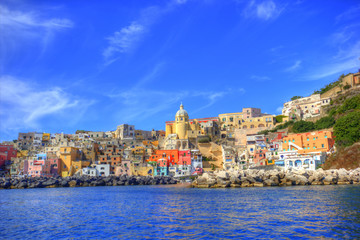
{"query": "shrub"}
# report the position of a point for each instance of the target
(295, 97)
(279, 118)
(347, 129)
(325, 122)
(303, 126)
(204, 140)
(347, 86)
(350, 104)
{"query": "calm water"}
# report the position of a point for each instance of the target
(162, 212)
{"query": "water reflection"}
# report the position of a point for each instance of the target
(159, 212)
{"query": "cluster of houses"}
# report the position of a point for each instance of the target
(175, 151)
(125, 151)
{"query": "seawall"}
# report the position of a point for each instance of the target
(276, 177)
(82, 181)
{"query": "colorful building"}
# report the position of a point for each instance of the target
(71, 157)
(7, 152)
(319, 141)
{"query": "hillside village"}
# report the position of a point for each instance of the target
(310, 131)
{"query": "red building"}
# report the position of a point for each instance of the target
(6, 153)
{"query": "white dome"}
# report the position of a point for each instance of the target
(181, 112)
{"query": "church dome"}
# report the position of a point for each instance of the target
(182, 112)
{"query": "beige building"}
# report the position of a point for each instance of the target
(306, 107)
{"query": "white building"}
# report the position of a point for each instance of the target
(99, 170)
(293, 160)
(125, 131)
(306, 107)
(196, 161)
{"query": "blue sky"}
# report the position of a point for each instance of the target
(93, 65)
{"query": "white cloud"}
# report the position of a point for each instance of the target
(123, 41)
(129, 36)
(24, 106)
(139, 102)
(352, 13)
(279, 110)
(344, 61)
(17, 27)
(264, 10)
(260, 78)
(29, 21)
(294, 67)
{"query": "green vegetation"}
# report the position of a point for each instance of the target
(278, 127)
(331, 85)
(325, 122)
(295, 97)
(279, 118)
(350, 104)
(347, 129)
(204, 140)
(346, 87)
(303, 126)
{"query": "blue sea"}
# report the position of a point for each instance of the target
(177, 212)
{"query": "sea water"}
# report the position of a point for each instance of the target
(175, 212)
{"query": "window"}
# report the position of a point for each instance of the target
(307, 139)
(325, 136)
(322, 145)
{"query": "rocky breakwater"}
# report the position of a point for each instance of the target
(82, 181)
(276, 177)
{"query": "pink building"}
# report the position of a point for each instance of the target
(124, 168)
(260, 156)
(39, 168)
(184, 157)
(251, 112)
(55, 166)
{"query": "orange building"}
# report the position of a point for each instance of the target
(320, 141)
(172, 156)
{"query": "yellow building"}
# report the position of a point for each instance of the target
(181, 124)
(258, 122)
(230, 119)
(68, 155)
(46, 137)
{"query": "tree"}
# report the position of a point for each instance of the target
(350, 104)
(295, 97)
(279, 118)
(325, 122)
(347, 129)
(303, 126)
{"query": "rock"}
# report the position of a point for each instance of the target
(222, 175)
(301, 180)
(329, 180)
(64, 183)
(258, 184)
(22, 185)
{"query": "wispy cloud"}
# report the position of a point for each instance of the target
(264, 10)
(140, 102)
(123, 41)
(24, 106)
(28, 20)
(128, 37)
(279, 110)
(19, 26)
(351, 13)
(260, 78)
(294, 67)
(343, 62)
